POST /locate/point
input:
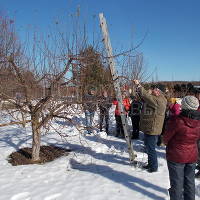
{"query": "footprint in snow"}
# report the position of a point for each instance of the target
(21, 196)
(53, 197)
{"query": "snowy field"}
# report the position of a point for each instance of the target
(96, 169)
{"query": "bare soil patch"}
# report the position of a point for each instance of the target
(47, 154)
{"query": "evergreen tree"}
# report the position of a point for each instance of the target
(91, 71)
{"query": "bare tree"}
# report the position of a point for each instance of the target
(35, 74)
(38, 72)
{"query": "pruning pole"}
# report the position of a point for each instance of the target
(111, 61)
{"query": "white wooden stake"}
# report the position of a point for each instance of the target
(111, 61)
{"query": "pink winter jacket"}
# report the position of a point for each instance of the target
(174, 109)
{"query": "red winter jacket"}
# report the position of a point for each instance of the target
(181, 135)
(126, 104)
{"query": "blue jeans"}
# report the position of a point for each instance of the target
(182, 181)
(150, 144)
(89, 116)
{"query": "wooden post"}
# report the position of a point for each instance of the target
(108, 47)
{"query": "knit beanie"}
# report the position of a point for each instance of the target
(190, 103)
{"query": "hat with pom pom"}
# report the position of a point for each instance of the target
(190, 103)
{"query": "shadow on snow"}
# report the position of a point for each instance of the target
(122, 178)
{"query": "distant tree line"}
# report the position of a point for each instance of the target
(176, 88)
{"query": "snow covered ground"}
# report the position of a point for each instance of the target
(96, 169)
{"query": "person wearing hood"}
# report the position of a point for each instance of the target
(180, 137)
(174, 108)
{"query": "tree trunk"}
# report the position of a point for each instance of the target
(36, 134)
(23, 120)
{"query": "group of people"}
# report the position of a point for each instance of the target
(132, 108)
(90, 104)
(181, 135)
(178, 124)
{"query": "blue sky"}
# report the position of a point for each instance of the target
(172, 44)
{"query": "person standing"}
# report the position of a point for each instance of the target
(104, 106)
(126, 104)
(89, 107)
(174, 108)
(151, 121)
(134, 114)
(197, 175)
(180, 137)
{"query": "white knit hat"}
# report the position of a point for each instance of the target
(190, 103)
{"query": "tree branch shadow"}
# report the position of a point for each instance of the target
(122, 178)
